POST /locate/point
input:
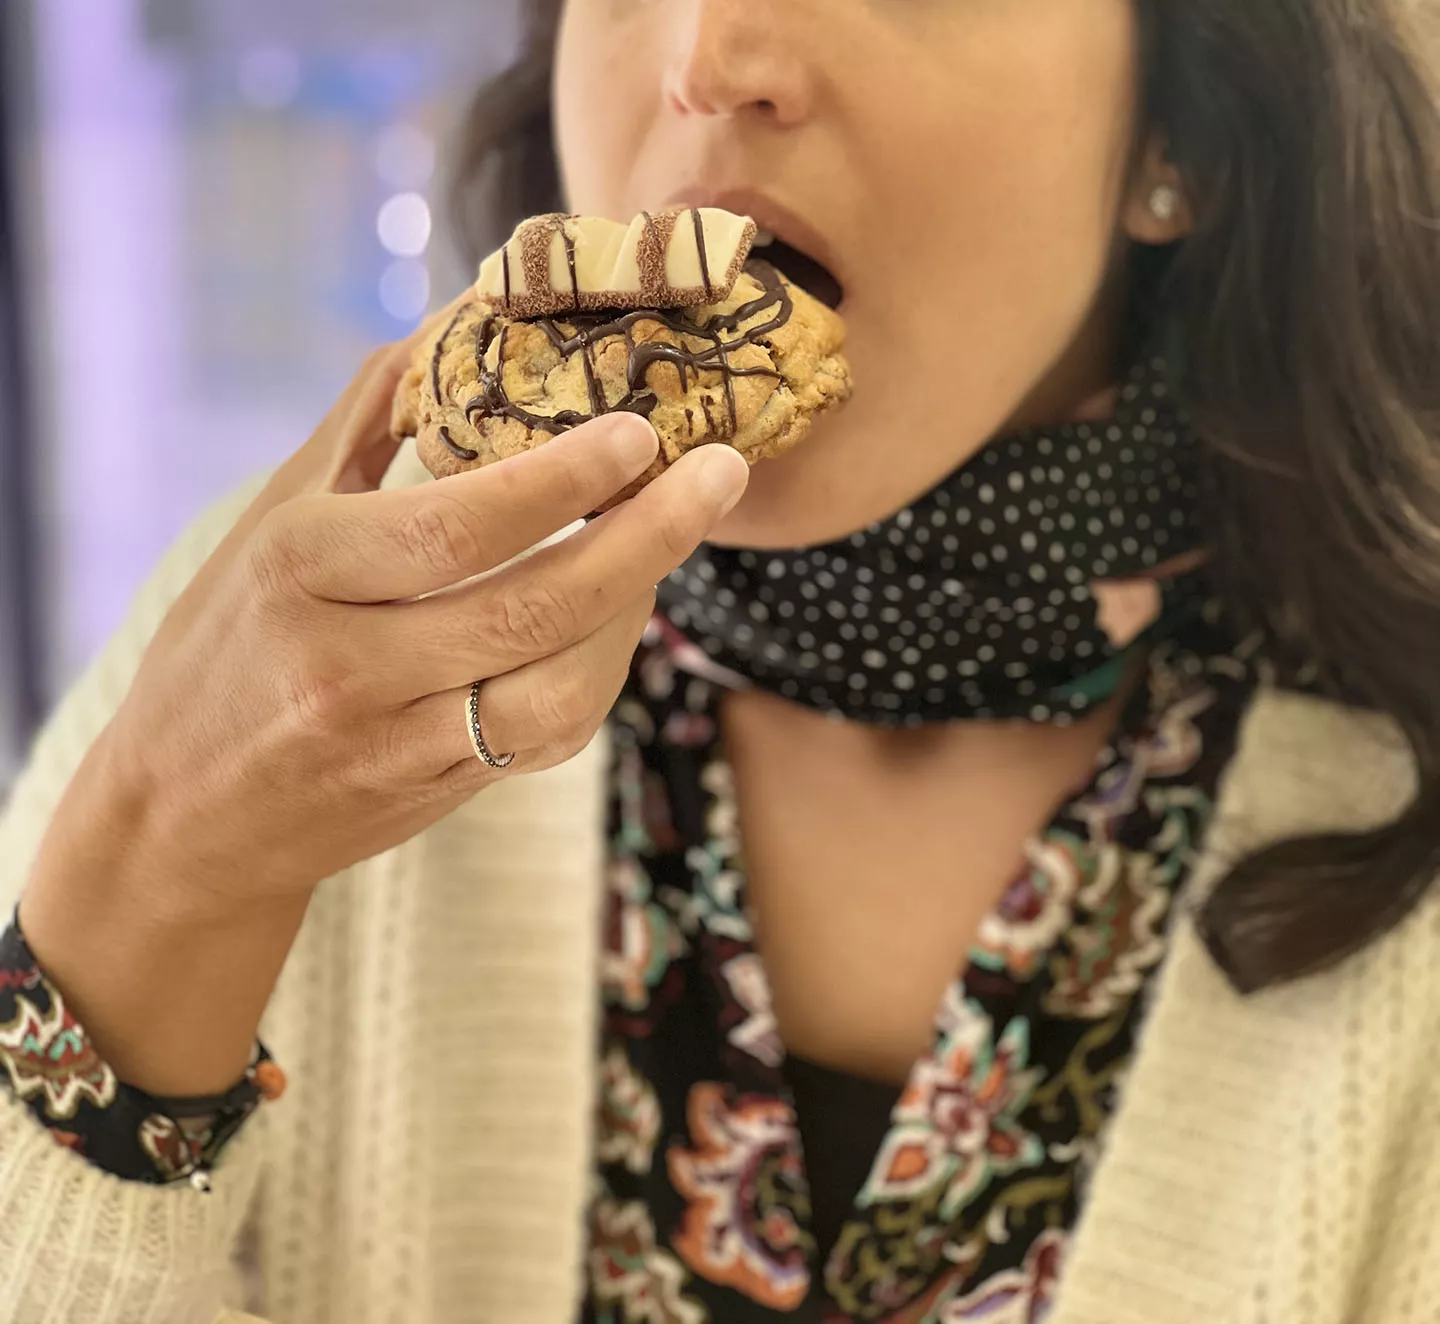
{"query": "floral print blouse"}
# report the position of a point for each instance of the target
(48, 1062)
(973, 1173)
(703, 1206)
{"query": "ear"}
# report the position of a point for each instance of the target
(1156, 208)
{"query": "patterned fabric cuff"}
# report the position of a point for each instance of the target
(50, 1065)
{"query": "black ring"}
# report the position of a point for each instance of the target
(483, 751)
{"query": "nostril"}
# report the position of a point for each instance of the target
(686, 99)
(691, 91)
(727, 70)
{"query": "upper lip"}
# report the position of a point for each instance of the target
(767, 213)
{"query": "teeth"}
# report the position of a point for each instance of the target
(763, 239)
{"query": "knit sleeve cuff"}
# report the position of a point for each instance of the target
(52, 1068)
(79, 1245)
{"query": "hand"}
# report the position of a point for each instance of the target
(303, 705)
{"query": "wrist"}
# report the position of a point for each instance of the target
(169, 979)
(128, 840)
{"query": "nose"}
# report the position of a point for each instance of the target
(733, 58)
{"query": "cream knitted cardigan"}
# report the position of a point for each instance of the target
(1274, 1161)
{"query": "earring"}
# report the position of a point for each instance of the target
(1164, 202)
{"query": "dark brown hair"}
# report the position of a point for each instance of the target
(1307, 300)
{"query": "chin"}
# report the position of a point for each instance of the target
(795, 500)
(859, 466)
(846, 474)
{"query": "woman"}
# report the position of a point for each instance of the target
(1062, 805)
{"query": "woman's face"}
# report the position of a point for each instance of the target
(962, 167)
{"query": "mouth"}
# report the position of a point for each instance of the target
(785, 239)
(799, 268)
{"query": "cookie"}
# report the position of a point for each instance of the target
(752, 370)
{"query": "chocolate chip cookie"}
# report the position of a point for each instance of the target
(751, 369)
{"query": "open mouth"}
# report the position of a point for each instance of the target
(800, 268)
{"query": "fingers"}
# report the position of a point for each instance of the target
(562, 594)
(352, 448)
(385, 546)
(543, 713)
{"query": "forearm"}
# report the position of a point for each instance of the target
(170, 982)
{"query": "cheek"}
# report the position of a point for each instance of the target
(1008, 172)
(984, 156)
(604, 101)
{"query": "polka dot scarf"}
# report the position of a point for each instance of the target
(974, 601)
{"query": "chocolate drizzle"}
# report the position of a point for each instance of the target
(570, 257)
(463, 452)
(493, 402)
(580, 334)
(440, 351)
(454, 447)
(704, 256)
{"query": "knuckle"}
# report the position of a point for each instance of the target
(572, 468)
(369, 774)
(319, 693)
(575, 744)
(390, 763)
(388, 748)
(442, 536)
(677, 537)
(587, 475)
(556, 753)
(565, 702)
(315, 701)
(534, 619)
(272, 560)
(469, 774)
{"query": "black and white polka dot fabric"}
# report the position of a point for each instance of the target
(974, 601)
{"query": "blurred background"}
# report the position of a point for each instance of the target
(209, 212)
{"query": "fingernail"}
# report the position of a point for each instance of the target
(723, 475)
(634, 440)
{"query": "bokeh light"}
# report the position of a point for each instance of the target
(405, 289)
(404, 224)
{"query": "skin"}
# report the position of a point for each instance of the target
(967, 163)
(972, 170)
(299, 710)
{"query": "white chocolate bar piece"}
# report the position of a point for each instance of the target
(672, 259)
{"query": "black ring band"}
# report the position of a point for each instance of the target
(483, 751)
